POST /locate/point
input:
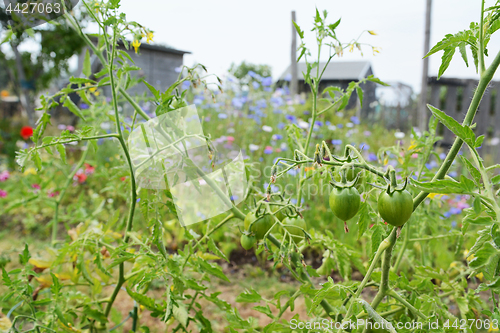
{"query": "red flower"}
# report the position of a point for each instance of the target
(89, 169)
(80, 177)
(26, 132)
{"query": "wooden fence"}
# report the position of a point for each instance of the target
(454, 96)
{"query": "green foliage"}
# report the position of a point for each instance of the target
(110, 252)
(241, 71)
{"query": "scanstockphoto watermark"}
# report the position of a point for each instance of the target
(327, 325)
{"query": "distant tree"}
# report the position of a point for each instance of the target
(241, 71)
(31, 72)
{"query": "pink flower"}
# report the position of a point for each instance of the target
(70, 128)
(36, 186)
(52, 194)
(414, 155)
(230, 139)
(4, 175)
(3, 194)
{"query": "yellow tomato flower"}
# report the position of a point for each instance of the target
(149, 37)
(413, 145)
(480, 276)
(375, 50)
(371, 32)
(435, 195)
(136, 44)
(30, 171)
(5, 323)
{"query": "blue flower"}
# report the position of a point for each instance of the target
(355, 120)
(267, 81)
(281, 126)
(288, 77)
(318, 123)
(340, 125)
(256, 85)
(237, 102)
(372, 157)
(84, 106)
(222, 115)
(336, 142)
(186, 84)
(291, 118)
(293, 172)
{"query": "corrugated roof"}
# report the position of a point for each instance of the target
(338, 70)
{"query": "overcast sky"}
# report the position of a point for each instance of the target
(219, 32)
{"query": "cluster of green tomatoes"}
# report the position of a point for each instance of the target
(395, 206)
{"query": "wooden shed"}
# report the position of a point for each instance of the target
(339, 73)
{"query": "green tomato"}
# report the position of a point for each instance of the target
(395, 208)
(281, 214)
(178, 103)
(259, 228)
(247, 241)
(293, 225)
(345, 202)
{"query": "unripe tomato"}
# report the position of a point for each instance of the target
(247, 241)
(293, 225)
(344, 202)
(178, 103)
(395, 208)
(281, 214)
(259, 228)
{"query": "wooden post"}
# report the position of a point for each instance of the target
(294, 82)
(483, 114)
(422, 108)
(451, 110)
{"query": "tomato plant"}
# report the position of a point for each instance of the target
(133, 247)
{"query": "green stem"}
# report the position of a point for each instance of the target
(481, 41)
(386, 265)
(324, 303)
(403, 248)
(88, 138)
(133, 190)
(486, 77)
(383, 247)
(403, 301)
